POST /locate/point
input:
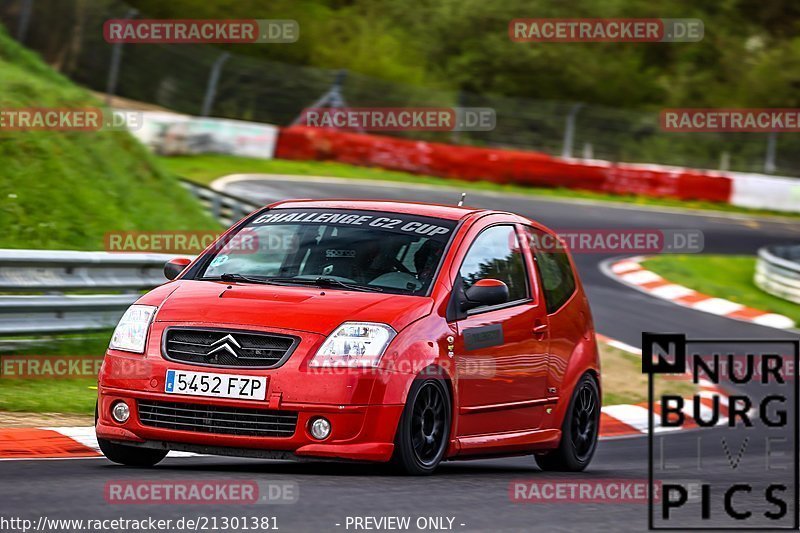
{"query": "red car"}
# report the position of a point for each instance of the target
(360, 330)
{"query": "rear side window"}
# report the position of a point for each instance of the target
(496, 254)
(555, 271)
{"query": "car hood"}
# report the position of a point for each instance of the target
(310, 309)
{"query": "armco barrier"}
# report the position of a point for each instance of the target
(224, 207)
(23, 315)
(778, 271)
(60, 270)
(49, 271)
(501, 166)
(44, 272)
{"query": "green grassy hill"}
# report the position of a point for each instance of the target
(66, 189)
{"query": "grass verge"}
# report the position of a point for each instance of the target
(67, 189)
(724, 276)
(45, 394)
(204, 169)
(624, 383)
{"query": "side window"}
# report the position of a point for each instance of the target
(558, 280)
(496, 254)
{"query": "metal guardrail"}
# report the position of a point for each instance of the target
(53, 271)
(778, 271)
(22, 315)
(224, 207)
(38, 279)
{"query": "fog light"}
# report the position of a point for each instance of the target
(320, 428)
(120, 412)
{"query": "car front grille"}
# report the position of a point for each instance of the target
(217, 420)
(227, 348)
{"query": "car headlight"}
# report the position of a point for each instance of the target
(131, 332)
(354, 344)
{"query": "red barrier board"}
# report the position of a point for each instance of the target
(500, 166)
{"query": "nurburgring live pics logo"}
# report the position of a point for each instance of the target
(750, 430)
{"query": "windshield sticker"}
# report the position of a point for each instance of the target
(219, 260)
(340, 253)
(427, 226)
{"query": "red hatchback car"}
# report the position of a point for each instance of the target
(360, 330)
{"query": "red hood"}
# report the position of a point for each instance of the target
(300, 308)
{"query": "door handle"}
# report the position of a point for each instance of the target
(539, 329)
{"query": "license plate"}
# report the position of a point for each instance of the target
(216, 385)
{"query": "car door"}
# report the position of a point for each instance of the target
(500, 350)
(565, 312)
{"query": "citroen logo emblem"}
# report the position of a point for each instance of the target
(225, 343)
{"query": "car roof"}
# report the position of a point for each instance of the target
(449, 212)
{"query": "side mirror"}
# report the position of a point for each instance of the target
(485, 292)
(174, 267)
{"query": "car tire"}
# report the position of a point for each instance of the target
(579, 431)
(129, 455)
(423, 433)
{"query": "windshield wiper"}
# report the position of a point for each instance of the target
(238, 277)
(322, 281)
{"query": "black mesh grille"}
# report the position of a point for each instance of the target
(227, 348)
(217, 420)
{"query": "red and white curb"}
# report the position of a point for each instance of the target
(54, 443)
(632, 420)
(630, 272)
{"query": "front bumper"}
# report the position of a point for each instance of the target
(363, 406)
(358, 432)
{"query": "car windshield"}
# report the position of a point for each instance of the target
(337, 248)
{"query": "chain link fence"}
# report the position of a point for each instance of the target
(68, 34)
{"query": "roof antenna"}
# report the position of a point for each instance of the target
(461, 202)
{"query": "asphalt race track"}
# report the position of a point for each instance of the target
(475, 493)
